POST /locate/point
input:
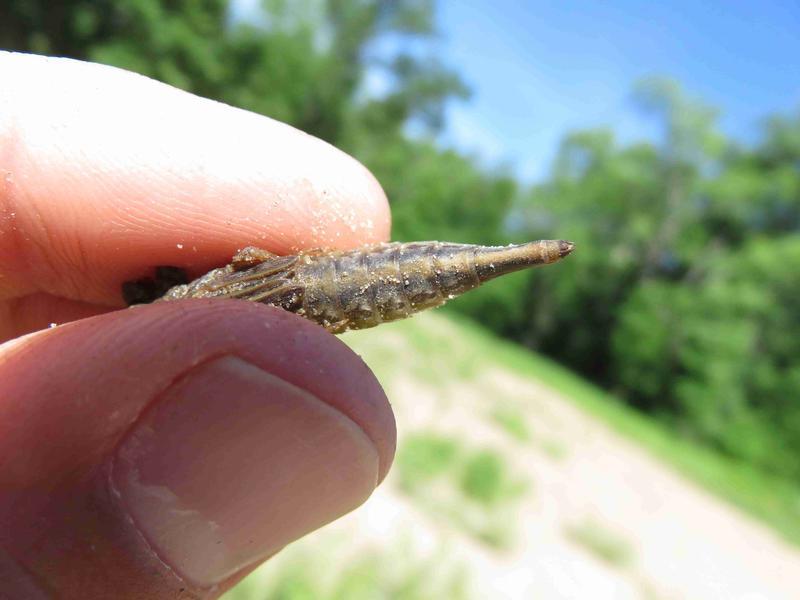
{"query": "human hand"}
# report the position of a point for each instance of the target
(165, 451)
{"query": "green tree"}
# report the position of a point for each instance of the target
(302, 62)
(758, 192)
(634, 214)
(724, 350)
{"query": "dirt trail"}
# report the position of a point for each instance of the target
(683, 542)
(673, 539)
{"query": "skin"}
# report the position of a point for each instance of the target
(104, 174)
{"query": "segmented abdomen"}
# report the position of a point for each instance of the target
(364, 288)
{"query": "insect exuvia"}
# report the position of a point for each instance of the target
(361, 288)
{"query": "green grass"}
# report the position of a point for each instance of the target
(485, 479)
(450, 346)
(513, 422)
(601, 542)
(553, 449)
(471, 488)
(423, 457)
(376, 574)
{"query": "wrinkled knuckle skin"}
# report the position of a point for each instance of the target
(26, 242)
(10, 238)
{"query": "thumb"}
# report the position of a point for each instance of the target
(165, 451)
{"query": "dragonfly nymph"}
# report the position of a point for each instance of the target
(361, 288)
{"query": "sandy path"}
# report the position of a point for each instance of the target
(683, 542)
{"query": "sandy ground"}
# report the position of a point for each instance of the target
(682, 542)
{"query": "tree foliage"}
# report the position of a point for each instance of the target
(684, 296)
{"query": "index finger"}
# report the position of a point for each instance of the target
(104, 174)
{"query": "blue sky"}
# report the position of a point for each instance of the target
(541, 69)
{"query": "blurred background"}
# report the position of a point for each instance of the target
(625, 424)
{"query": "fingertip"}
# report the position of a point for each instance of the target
(201, 435)
(124, 173)
(141, 350)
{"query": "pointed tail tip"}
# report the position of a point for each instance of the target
(565, 247)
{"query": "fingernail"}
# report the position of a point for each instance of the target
(233, 463)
